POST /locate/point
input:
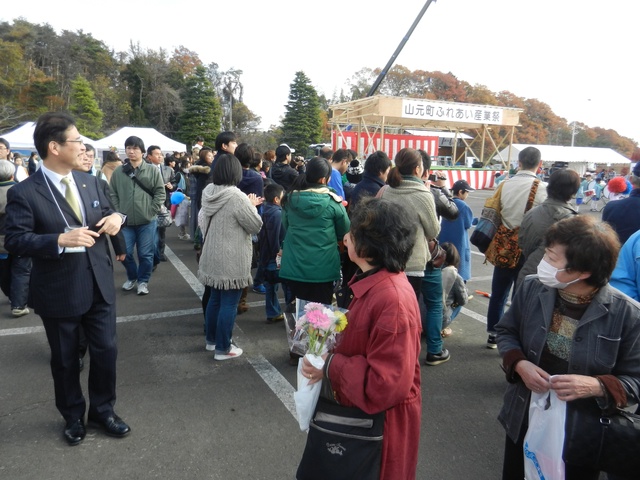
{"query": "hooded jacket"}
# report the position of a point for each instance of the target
(315, 221)
(283, 174)
(227, 220)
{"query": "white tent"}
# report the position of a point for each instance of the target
(22, 137)
(149, 136)
(579, 158)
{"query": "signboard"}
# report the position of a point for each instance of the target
(451, 112)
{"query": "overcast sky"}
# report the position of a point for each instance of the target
(578, 56)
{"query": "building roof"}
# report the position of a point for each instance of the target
(557, 153)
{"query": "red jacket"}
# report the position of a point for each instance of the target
(376, 365)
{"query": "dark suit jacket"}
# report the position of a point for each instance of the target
(62, 285)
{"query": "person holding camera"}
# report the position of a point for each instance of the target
(137, 191)
(282, 172)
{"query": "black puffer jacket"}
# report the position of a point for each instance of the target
(445, 206)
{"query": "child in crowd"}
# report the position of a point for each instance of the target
(456, 231)
(270, 240)
(454, 290)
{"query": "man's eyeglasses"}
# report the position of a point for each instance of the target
(74, 141)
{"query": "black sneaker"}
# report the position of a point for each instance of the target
(434, 359)
(491, 341)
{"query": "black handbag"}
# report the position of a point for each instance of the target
(606, 442)
(344, 443)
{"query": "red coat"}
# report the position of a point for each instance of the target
(376, 365)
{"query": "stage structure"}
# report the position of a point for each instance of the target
(373, 117)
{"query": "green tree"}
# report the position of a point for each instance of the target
(244, 120)
(85, 108)
(302, 124)
(201, 114)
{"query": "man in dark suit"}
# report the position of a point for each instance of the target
(61, 218)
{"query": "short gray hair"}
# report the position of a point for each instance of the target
(7, 170)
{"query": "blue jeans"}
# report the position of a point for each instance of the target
(143, 237)
(503, 279)
(432, 296)
(272, 305)
(220, 317)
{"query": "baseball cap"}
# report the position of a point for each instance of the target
(462, 185)
(285, 145)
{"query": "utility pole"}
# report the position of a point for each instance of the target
(392, 60)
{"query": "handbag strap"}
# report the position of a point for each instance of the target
(532, 195)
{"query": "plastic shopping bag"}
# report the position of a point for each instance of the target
(306, 397)
(544, 440)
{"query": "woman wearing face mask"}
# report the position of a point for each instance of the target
(569, 331)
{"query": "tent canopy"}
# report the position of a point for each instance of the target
(574, 155)
(22, 137)
(150, 136)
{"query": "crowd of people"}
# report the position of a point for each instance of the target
(385, 234)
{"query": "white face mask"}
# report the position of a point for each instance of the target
(547, 275)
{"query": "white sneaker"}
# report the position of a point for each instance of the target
(143, 289)
(233, 352)
(186, 236)
(129, 284)
(19, 312)
(210, 347)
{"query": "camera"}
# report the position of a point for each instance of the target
(433, 178)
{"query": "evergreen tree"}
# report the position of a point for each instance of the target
(202, 112)
(302, 124)
(84, 107)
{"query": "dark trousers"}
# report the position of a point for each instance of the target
(312, 292)
(158, 253)
(63, 334)
(14, 281)
(502, 281)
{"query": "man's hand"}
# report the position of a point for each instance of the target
(120, 258)
(168, 186)
(110, 225)
(78, 237)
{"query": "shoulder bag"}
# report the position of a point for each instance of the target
(504, 251)
(163, 217)
(489, 221)
(605, 442)
(344, 443)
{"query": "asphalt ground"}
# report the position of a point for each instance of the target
(193, 417)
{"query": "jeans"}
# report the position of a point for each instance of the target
(220, 317)
(503, 279)
(272, 305)
(143, 237)
(432, 297)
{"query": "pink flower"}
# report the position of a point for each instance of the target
(318, 319)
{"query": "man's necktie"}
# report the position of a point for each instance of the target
(70, 197)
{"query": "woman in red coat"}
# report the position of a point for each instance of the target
(375, 366)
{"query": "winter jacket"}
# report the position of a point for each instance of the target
(4, 187)
(283, 174)
(251, 182)
(605, 342)
(200, 172)
(227, 220)
(534, 226)
(272, 234)
(455, 232)
(624, 215)
(129, 198)
(315, 221)
(367, 187)
(417, 199)
(626, 276)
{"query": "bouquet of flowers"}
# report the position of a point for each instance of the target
(317, 327)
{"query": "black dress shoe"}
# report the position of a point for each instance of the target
(112, 425)
(74, 432)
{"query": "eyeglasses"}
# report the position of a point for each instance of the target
(74, 141)
(2, 147)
